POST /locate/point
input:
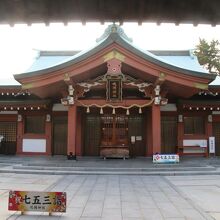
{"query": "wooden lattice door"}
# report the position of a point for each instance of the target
(92, 135)
(8, 131)
(114, 130)
(168, 134)
(60, 135)
(137, 132)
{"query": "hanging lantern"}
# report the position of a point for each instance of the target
(140, 111)
(101, 111)
(87, 110)
(113, 111)
(127, 112)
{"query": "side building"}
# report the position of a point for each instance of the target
(113, 100)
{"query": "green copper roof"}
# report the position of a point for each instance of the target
(182, 64)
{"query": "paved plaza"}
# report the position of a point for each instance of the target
(120, 197)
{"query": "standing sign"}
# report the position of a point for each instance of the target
(37, 201)
(212, 145)
(166, 158)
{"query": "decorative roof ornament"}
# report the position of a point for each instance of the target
(114, 28)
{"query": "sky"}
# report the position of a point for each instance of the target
(19, 44)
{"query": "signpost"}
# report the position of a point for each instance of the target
(166, 158)
(37, 201)
(212, 145)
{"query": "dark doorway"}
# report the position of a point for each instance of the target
(8, 131)
(92, 135)
(60, 135)
(114, 130)
(216, 134)
(136, 134)
(168, 134)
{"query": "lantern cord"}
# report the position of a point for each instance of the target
(114, 106)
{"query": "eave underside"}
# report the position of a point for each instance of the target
(174, 11)
(53, 81)
(59, 89)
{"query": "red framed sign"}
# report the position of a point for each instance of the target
(37, 201)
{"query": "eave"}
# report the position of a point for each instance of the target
(24, 104)
(35, 11)
(199, 105)
(86, 64)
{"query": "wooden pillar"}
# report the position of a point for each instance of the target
(180, 134)
(48, 133)
(19, 136)
(209, 131)
(149, 146)
(71, 138)
(180, 131)
(209, 126)
(156, 129)
(79, 134)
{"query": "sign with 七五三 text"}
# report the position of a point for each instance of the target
(37, 201)
(166, 158)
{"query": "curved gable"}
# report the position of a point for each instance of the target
(115, 45)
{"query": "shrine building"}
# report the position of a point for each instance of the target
(113, 100)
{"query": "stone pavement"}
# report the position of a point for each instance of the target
(204, 191)
(120, 197)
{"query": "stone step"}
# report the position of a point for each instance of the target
(156, 168)
(110, 172)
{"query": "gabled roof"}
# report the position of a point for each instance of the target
(183, 59)
(115, 34)
(9, 82)
(46, 59)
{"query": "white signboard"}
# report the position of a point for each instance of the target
(132, 139)
(212, 145)
(138, 138)
(1, 138)
(199, 143)
(34, 145)
(166, 158)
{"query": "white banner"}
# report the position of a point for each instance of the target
(196, 142)
(166, 158)
(34, 145)
(212, 145)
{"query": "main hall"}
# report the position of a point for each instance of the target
(114, 100)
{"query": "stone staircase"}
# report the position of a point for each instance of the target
(91, 166)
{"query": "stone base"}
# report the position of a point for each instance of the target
(114, 152)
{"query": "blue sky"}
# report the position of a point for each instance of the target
(18, 44)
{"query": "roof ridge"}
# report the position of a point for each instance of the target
(58, 52)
